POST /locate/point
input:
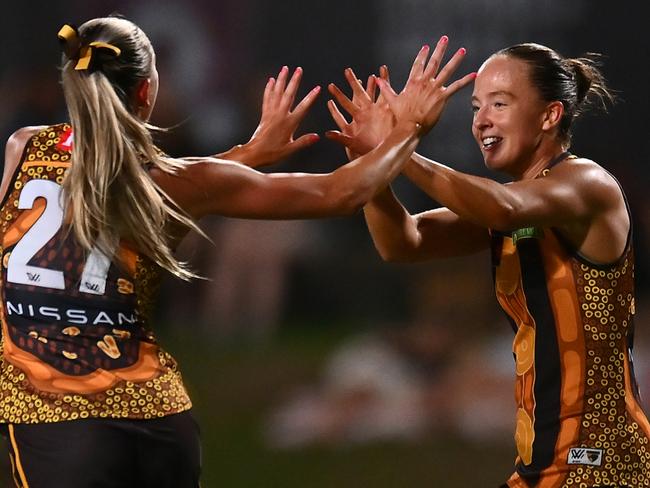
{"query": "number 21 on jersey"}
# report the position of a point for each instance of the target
(93, 279)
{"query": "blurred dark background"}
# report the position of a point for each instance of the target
(311, 362)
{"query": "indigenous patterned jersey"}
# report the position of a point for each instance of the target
(75, 336)
(579, 422)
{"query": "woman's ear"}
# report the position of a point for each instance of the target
(553, 115)
(142, 101)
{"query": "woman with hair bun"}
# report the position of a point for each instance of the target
(561, 241)
(90, 214)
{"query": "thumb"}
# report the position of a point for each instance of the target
(304, 141)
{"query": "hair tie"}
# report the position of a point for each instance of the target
(86, 53)
(72, 48)
(70, 41)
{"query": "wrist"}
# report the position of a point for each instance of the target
(409, 126)
(246, 154)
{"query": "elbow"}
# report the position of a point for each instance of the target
(389, 257)
(393, 254)
(504, 217)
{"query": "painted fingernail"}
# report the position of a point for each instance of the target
(444, 39)
(462, 50)
(426, 46)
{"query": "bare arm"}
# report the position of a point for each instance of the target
(574, 190)
(577, 196)
(439, 233)
(230, 189)
(211, 186)
(13, 152)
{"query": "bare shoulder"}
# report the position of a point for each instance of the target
(14, 150)
(18, 139)
(16, 144)
(595, 183)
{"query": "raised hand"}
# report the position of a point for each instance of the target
(273, 139)
(372, 119)
(425, 95)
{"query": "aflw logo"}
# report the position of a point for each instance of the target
(581, 455)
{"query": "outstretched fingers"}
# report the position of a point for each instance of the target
(359, 95)
(387, 91)
(417, 69)
(451, 66)
(371, 88)
(436, 58)
(342, 99)
(338, 117)
(306, 103)
(289, 94)
(460, 83)
(281, 82)
(304, 141)
(268, 95)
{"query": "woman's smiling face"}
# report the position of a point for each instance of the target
(508, 114)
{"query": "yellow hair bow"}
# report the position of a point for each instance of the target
(69, 35)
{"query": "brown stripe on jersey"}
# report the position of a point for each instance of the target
(547, 386)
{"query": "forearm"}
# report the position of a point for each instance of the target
(482, 201)
(393, 230)
(371, 173)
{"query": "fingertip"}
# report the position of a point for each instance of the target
(462, 51)
(444, 40)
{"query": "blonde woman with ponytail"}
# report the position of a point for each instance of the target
(90, 214)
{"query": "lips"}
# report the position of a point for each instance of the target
(490, 142)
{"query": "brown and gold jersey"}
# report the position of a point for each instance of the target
(76, 338)
(579, 422)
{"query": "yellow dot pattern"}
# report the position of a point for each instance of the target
(607, 302)
(20, 401)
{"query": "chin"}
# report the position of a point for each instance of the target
(491, 162)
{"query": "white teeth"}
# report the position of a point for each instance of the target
(488, 141)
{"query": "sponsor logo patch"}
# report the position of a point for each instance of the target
(586, 456)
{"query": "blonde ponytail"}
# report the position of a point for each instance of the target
(108, 189)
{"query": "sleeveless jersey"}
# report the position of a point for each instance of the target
(76, 341)
(578, 419)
